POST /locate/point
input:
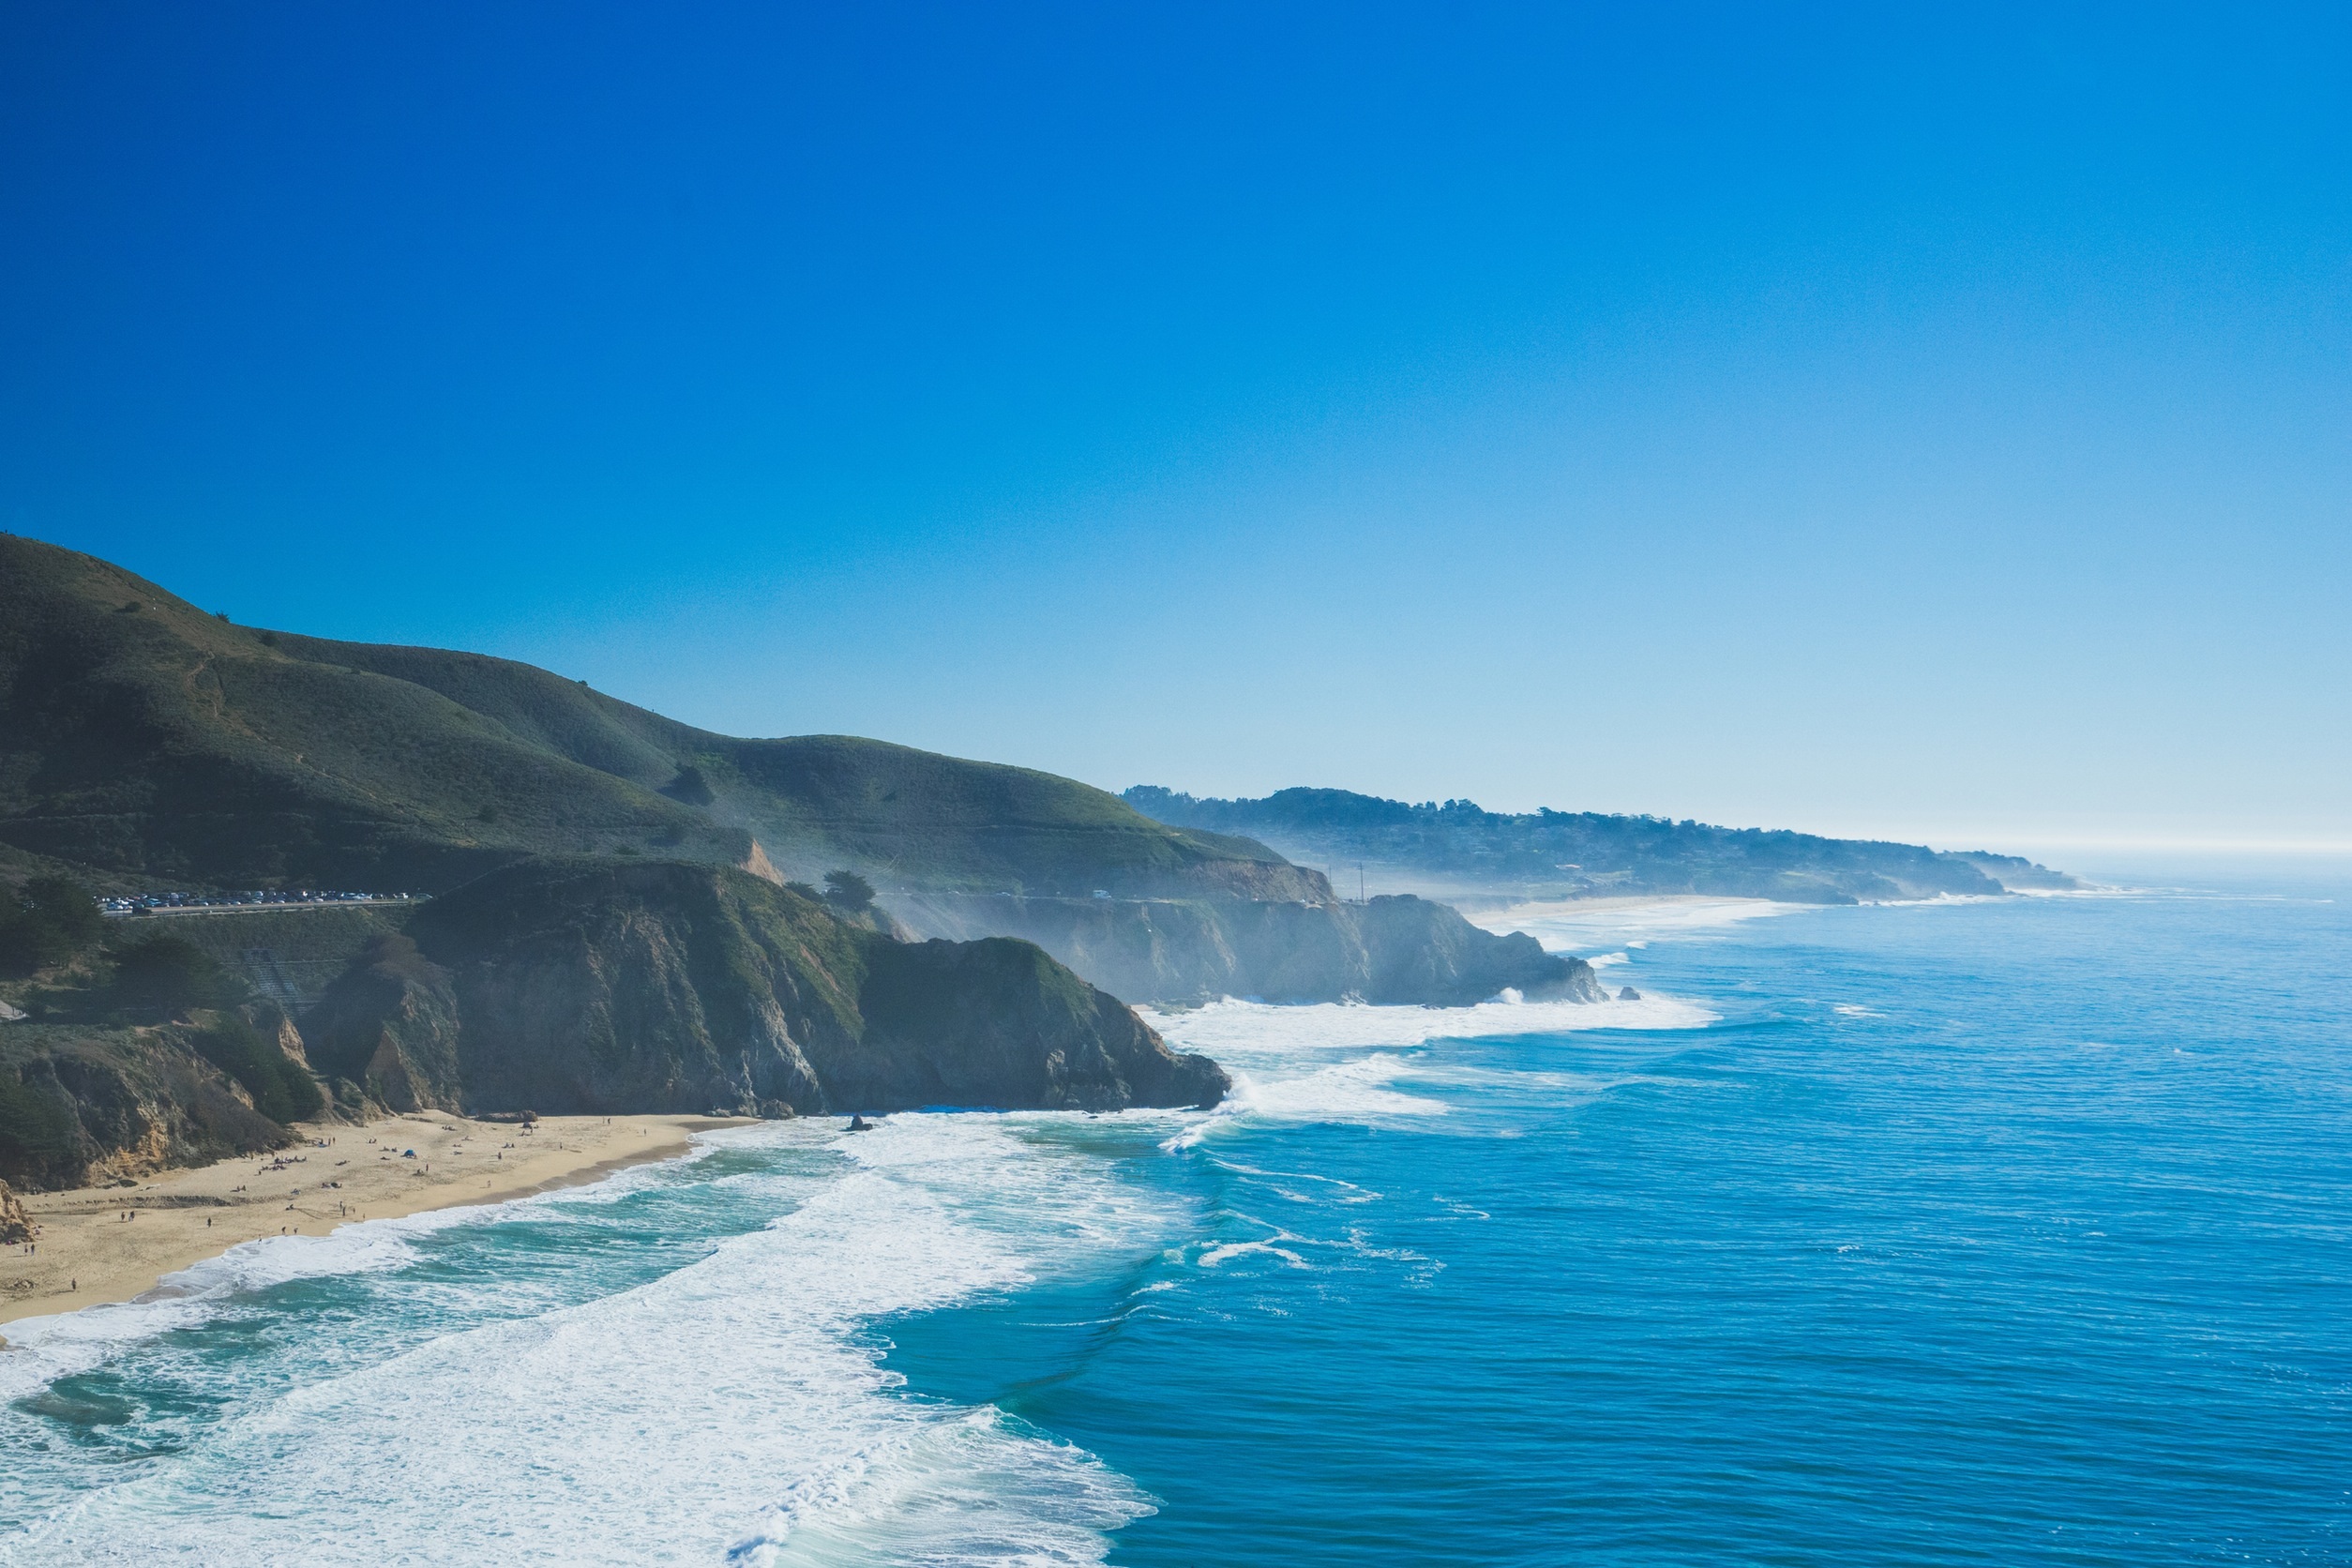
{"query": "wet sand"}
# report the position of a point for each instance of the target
(88, 1253)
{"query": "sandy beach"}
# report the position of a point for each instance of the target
(89, 1253)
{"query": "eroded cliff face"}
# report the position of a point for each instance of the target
(1401, 950)
(592, 986)
(16, 1225)
(389, 1023)
(82, 1107)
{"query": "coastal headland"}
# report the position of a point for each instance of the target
(88, 1252)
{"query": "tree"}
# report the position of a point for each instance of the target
(848, 890)
(168, 974)
(48, 923)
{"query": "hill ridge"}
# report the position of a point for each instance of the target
(1588, 854)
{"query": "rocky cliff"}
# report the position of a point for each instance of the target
(1389, 950)
(585, 987)
(84, 1106)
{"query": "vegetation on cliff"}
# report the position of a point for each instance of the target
(83, 1104)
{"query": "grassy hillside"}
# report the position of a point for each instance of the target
(141, 737)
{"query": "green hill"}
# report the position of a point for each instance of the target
(143, 742)
(141, 737)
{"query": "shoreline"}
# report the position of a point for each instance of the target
(87, 1253)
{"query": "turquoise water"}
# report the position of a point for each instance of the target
(2005, 1232)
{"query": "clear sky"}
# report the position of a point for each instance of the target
(1866, 420)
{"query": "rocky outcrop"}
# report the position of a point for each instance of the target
(82, 1107)
(588, 987)
(1401, 949)
(1048, 1039)
(16, 1225)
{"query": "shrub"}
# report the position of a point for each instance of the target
(690, 787)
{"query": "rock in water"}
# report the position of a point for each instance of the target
(1629, 994)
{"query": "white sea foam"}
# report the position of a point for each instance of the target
(42, 1349)
(732, 1410)
(1354, 1091)
(1254, 1031)
(1580, 926)
(1279, 1056)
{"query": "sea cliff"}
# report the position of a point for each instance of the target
(583, 986)
(1398, 949)
(589, 986)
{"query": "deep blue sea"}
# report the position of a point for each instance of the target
(2005, 1232)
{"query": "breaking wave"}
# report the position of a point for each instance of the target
(733, 1410)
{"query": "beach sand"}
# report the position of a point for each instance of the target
(88, 1253)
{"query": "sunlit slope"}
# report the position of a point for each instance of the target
(815, 802)
(141, 735)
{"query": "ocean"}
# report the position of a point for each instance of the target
(2014, 1231)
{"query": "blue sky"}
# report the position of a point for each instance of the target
(1923, 425)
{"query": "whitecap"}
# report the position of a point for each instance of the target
(1243, 1029)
